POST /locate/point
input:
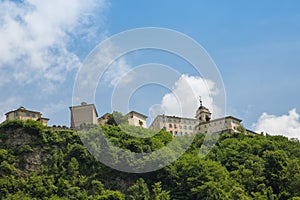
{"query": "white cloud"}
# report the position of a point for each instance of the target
(287, 125)
(184, 98)
(117, 72)
(35, 35)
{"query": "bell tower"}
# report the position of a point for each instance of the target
(203, 114)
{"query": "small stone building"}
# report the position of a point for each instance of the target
(83, 114)
(103, 119)
(137, 119)
(23, 114)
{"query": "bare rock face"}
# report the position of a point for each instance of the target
(19, 138)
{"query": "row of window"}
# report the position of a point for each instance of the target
(225, 127)
(27, 114)
(181, 127)
(222, 122)
(178, 133)
(184, 121)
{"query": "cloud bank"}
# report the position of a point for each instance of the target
(42, 44)
(184, 98)
(35, 35)
(287, 125)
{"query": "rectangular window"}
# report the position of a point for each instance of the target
(170, 125)
(27, 114)
(33, 115)
(171, 132)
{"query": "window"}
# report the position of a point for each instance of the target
(175, 126)
(190, 127)
(170, 125)
(17, 113)
(184, 126)
(180, 126)
(171, 132)
(33, 115)
(165, 128)
(176, 133)
(27, 114)
(141, 123)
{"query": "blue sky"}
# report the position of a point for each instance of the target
(255, 45)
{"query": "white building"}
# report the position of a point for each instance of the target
(175, 125)
(137, 119)
(202, 123)
(83, 114)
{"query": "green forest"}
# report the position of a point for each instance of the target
(38, 162)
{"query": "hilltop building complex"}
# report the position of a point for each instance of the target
(201, 123)
(86, 114)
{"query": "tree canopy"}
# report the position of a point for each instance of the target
(38, 162)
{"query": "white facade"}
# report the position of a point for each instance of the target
(228, 124)
(137, 119)
(176, 126)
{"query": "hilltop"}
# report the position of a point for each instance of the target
(38, 162)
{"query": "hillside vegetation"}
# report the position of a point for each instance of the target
(38, 162)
